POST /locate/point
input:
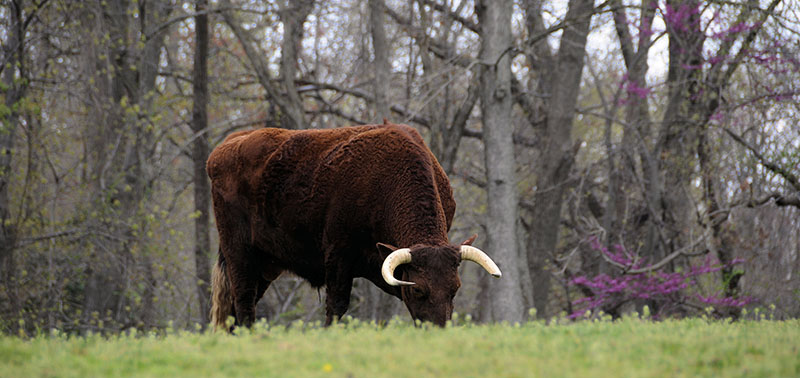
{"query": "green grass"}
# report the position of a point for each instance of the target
(629, 347)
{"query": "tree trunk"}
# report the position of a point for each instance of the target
(496, 100)
(382, 83)
(559, 151)
(293, 16)
(154, 14)
(291, 107)
(13, 49)
(200, 151)
(693, 97)
(379, 305)
(446, 124)
(107, 143)
(122, 81)
(677, 142)
(636, 133)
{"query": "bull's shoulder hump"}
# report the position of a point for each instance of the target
(244, 146)
(389, 133)
(404, 130)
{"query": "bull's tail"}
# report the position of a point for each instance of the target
(221, 297)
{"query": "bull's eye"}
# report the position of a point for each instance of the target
(417, 292)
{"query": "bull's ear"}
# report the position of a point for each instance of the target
(385, 249)
(470, 240)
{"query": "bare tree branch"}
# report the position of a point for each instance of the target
(650, 268)
(257, 59)
(719, 77)
(467, 22)
(772, 166)
(308, 85)
(518, 139)
(34, 239)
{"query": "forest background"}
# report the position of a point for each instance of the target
(610, 155)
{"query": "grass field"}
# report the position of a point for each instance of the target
(629, 347)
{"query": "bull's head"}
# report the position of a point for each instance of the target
(430, 276)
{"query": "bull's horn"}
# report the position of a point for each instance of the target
(471, 253)
(396, 258)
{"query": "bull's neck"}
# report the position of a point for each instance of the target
(418, 218)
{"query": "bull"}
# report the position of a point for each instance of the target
(330, 205)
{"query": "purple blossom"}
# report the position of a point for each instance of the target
(667, 287)
(636, 90)
(632, 88)
(732, 31)
(725, 301)
(691, 66)
(716, 59)
(680, 18)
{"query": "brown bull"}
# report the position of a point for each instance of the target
(329, 206)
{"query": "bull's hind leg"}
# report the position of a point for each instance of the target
(254, 278)
(245, 284)
(243, 279)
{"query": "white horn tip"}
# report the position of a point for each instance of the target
(471, 253)
(398, 257)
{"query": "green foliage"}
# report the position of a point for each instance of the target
(629, 347)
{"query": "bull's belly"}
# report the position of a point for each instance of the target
(298, 254)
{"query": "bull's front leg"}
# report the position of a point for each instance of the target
(339, 283)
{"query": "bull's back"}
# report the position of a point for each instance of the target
(283, 180)
(249, 165)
